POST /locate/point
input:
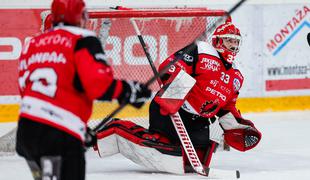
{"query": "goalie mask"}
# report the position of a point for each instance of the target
(70, 12)
(226, 40)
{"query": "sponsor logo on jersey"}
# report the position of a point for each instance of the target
(214, 83)
(216, 93)
(236, 84)
(210, 64)
(188, 58)
(225, 89)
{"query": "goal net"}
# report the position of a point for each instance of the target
(164, 31)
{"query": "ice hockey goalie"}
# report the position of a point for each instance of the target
(209, 103)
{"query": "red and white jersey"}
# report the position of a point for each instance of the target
(61, 72)
(217, 82)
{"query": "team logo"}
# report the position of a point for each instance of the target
(236, 84)
(209, 107)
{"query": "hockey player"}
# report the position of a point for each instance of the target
(213, 97)
(61, 72)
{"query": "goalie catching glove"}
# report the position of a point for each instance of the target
(134, 93)
(239, 133)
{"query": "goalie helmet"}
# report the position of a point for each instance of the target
(226, 40)
(69, 11)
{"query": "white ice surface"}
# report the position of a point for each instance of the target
(283, 154)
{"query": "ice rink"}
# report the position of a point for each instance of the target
(283, 154)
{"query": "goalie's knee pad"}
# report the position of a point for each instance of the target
(142, 147)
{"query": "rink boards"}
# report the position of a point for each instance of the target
(9, 112)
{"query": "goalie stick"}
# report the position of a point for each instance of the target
(176, 118)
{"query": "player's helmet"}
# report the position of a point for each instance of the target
(68, 11)
(226, 40)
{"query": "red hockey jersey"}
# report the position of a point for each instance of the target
(217, 82)
(61, 72)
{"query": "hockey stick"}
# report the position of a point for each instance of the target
(145, 49)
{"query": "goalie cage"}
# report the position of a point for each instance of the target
(164, 31)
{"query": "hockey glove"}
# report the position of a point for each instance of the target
(134, 93)
(241, 134)
(242, 139)
(90, 138)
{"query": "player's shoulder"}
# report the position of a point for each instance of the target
(206, 48)
(86, 38)
(76, 31)
(237, 73)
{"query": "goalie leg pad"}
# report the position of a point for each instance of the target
(140, 146)
(107, 143)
